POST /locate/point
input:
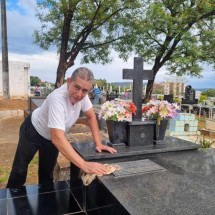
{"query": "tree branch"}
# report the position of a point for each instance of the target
(91, 45)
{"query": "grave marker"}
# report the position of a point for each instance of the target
(139, 132)
(138, 74)
(190, 96)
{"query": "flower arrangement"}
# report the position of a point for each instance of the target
(117, 110)
(159, 110)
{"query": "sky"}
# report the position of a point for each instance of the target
(21, 23)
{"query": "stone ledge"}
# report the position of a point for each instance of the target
(207, 132)
(182, 133)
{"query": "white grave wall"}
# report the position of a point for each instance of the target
(19, 80)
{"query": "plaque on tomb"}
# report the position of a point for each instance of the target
(137, 167)
(189, 96)
(140, 133)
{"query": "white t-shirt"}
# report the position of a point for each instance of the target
(58, 112)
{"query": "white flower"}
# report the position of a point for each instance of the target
(117, 110)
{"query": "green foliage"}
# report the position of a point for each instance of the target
(202, 98)
(161, 97)
(201, 119)
(4, 175)
(34, 80)
(177, 34)
(83, 26)
(206, 143)
(177, 100)
(35, 160)
(209, 93)
(115, 88)
(100, 82)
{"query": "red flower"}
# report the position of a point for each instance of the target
(133, 108)
(146, 108)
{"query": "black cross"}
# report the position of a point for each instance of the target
(138, 75)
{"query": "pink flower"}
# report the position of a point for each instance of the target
(156, 109)
(117, 110)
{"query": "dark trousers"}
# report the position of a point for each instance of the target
(30, 141)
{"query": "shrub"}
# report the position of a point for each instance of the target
(206, 143)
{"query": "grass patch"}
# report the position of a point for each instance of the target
(205, 143)
(201, 119)
(4, 175)
(35, 160)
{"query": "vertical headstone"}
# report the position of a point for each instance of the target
(138, 75)
(169, 98)
(190, 96)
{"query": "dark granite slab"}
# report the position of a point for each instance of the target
(64, 197)
(185, 187)
(171, 144)
(38, 102)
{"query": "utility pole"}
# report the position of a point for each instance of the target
(5, 69)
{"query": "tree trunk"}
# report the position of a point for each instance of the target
(5, 68)
(63, 64)
(61, 71)
(60, 75)
(149, 87)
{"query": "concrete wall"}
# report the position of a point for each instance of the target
(19, 80)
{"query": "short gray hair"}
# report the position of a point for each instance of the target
(84, 73)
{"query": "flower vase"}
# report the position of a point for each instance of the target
(160, 130)
(117, 131)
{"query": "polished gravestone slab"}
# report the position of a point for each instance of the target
(185, 187)
(38, 102)
(170, 144)
(65, 197)
(35, 103)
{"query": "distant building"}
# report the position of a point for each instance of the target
(19, 80)
(175, 88)
(158, 88)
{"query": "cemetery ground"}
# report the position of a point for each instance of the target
(9, 137)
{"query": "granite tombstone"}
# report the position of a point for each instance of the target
(168, 98)
(190, 95)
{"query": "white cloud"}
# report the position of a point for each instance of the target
(21, 23)
(28, 6)
(42, 65)
(113, 72)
